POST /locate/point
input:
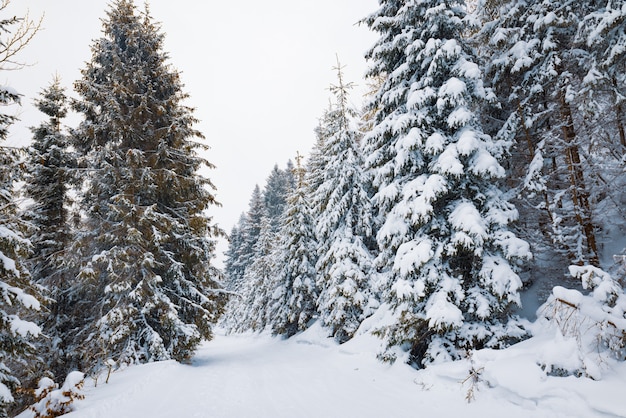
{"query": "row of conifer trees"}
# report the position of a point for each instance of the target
(110, 260)
(489, 157)
(491, 150)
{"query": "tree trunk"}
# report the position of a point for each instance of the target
(620, 125)
(619, 111)
(580, 196)
(531, 152)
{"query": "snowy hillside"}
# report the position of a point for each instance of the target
(311, 376)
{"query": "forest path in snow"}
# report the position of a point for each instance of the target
(309, 376)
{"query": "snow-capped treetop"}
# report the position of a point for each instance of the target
(146, 246)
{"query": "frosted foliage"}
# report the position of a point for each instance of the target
(19, 297)
(593, 324)
(534, 182)
(344, 300)
(55, 401)
(442, 313)
(415, 207)
(562, 96)
(445, 244)
(512, 246)
(605, 288)
(10, 292)
(8, 264)
(412, 255)
(501, 278)
(470, 226)
(252, 310)
(293, 290)
(5, 393)
(23, 328)
(343, 218)
(146, 288)
(603, 31)
(448, 162)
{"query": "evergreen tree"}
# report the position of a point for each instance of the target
(146, 289)
(18, 295)
(603, 32)
(316, 162)
(243, 252)
(537, 69)
(293, 304)
(251, 263)
(47, 184)
(343, 223)
(250, 310)
(271, 203)
(233, 268)
(277, 188)
(444, 240)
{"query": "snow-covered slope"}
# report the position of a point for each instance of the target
(311, 376)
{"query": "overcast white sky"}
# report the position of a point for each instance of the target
(258, 73)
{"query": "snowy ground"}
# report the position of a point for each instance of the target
(311, 376)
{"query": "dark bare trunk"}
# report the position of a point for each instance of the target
(580, 196)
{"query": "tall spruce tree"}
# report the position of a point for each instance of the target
(537, 68)
(17, 292)
(233, 266)
(18, 295)
(250, 310)
(294, 300)
(444, 240)
(603, 32)
(146, 289)
(47, 183)
(343, 222)
(277, 189)
(242, 249)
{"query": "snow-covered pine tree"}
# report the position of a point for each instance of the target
(233, 268)
(600, 116)
(241, 251)
(537, 68)
(603, 32)
(316, 162)
(294, 299)
(244, 236)
(445, 244)
(250, 310)
(146, 289)
(343, 219)
(18, 295)
(277, 188)
(47, 183)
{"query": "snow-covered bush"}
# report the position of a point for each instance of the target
(593, 326)
(53, 402)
